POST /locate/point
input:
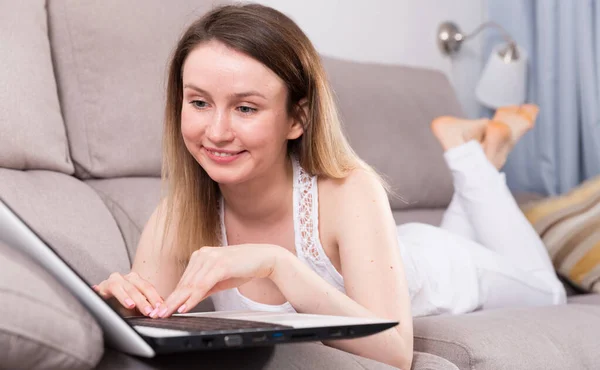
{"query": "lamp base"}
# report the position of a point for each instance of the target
(449, 38)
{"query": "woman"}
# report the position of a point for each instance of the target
(255, 160)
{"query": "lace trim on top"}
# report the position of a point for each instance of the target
(307, 223)
(306, 220)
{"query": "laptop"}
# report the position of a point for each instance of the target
(147, 337)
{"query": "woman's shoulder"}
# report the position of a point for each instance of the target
(360, 194)
(360, 182)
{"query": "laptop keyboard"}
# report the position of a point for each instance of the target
(202, 324)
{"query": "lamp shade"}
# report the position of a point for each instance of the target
(503, 82)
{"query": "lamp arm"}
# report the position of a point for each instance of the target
(482, 26)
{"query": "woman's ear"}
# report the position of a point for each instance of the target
(299, 120)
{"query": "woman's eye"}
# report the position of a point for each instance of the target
(246, 110)
(198, 104)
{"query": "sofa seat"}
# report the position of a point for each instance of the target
(286, 356)
(554, 337)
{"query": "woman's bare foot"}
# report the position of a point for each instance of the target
(497, 143)
(518, 120)
(452, 132)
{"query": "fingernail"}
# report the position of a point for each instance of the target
(129, 302)
(163, 312)
(94, 287)
(181, 309)
(148, 310)
(154, 313)
(157, 305)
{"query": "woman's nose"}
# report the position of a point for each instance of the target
(219, 128)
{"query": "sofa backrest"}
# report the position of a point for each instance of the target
(387, 111)
(32, 132)
(110, 61)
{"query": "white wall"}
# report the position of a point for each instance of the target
(393, 32)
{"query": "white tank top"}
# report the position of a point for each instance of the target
(308, 246)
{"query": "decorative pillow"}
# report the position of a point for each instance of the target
(570, 227)
(32, 132)
(42, 326)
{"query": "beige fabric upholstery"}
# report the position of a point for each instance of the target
(387, 111)
(593, 299)
(427, 361)
(41, 325)
(31, 125)
(294, 356)
(71, 217)
(426, 216)
(555, 337)
(110, 58)
(131, 202)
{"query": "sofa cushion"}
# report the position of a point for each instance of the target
(71, 217)
(42, 326)
(593, 299)
(131, 202)
(32, 132)
(554, 337)
(569, 225)
(387, 112)
(110, 59)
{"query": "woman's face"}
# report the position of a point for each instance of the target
(234, 118)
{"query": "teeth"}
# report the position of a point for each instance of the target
(219, 154)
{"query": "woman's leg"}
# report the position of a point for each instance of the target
(497, 138)
(510, 265)
(456, 221)
(449, 274)
(497, 221)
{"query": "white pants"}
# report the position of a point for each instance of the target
(485, 254)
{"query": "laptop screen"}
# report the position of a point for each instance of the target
(17, 233)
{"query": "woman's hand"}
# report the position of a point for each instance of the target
(131, 291)
(212, 269)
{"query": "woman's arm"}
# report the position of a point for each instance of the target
(371, 265)
(153, 275)
(372, 269)
(154, 261)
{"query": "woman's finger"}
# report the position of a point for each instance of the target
(127, 294)
(175, 300)
(147, 289)
(140, 301)
(102, 290)
(117, 291)
(188, 286)
(206, 282)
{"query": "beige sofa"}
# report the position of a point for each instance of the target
(81, 99)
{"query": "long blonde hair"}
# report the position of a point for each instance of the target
(273, 39)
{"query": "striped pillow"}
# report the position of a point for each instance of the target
(569, 225)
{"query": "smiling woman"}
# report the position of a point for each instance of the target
(234, 110)
(269, 208)
(252, 140)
